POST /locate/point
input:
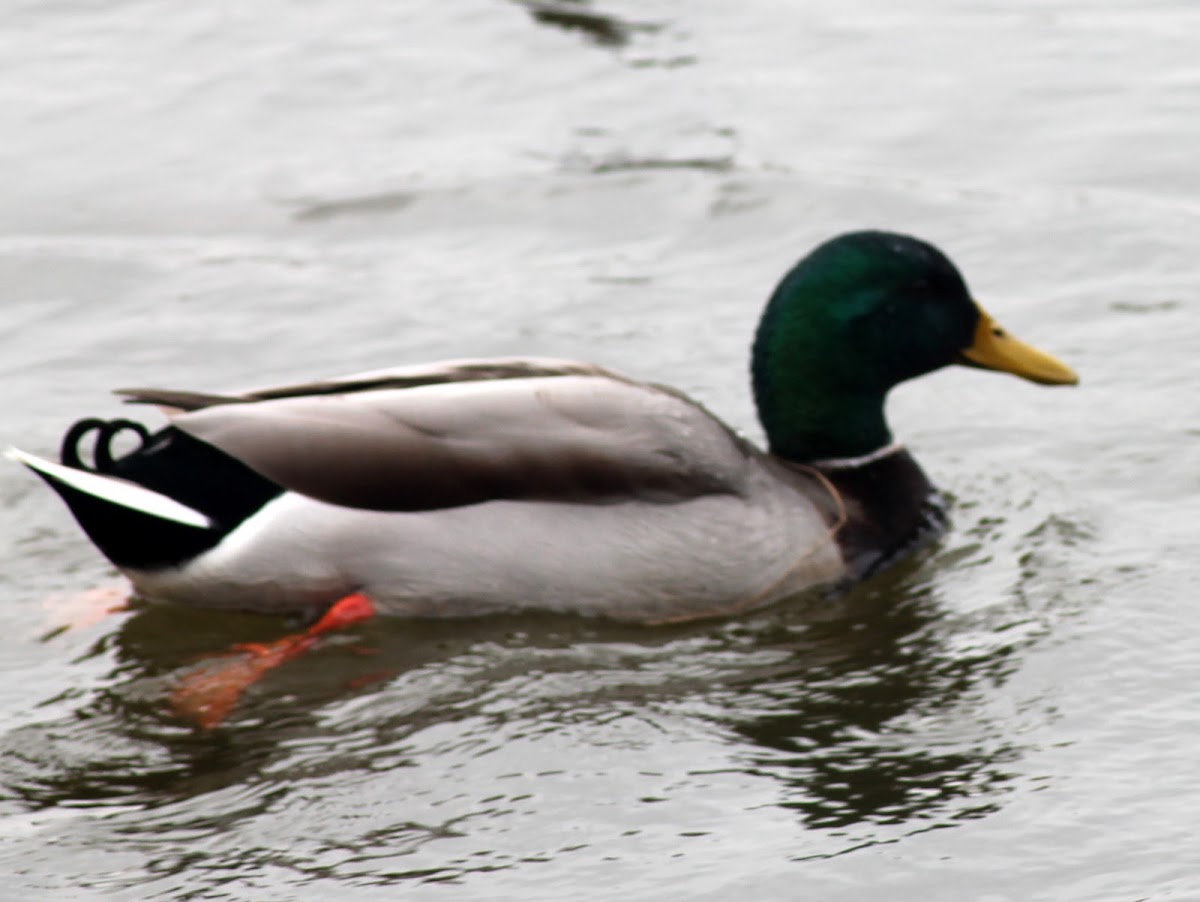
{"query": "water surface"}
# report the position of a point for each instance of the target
(210, 198)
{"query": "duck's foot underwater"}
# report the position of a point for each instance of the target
(83, 609)
(207, 694)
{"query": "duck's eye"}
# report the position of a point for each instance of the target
(997, 332)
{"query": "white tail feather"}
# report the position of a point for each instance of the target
(116, 491)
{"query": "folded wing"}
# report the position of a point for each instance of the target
(468, 433)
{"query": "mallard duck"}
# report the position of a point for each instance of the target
(480, 486)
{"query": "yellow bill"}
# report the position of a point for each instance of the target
(994, 349)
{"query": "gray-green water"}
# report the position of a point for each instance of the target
(206, 197)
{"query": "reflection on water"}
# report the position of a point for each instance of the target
(826, 698)
(851, 736)
(374, 204)
(578, 15)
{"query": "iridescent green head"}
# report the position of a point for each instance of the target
(860, 314)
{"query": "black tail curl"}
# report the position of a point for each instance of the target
(171, 463)
(101, 456)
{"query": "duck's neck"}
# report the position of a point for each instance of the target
(804, 424)
(811, 404)
(891, 509)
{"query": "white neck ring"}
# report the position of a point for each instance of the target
(850, 463)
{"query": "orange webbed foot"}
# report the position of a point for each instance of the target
(207, 694)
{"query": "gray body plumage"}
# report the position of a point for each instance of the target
(481, 487)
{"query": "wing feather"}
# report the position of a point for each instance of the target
(466, 370)
(577, 435)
